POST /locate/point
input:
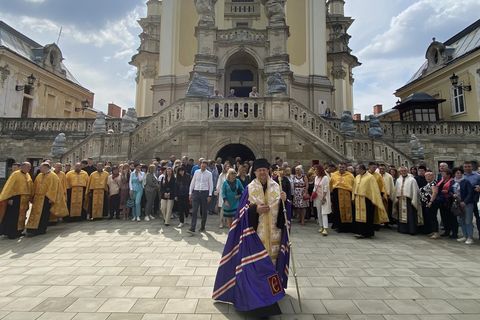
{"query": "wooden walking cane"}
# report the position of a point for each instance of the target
(289, 243)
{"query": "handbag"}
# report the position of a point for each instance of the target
(314, 195)
(130, 203)
(457, 209)
(306, 196)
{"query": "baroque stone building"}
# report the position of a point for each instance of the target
(296, 52)
(240, 44)
(34, 81)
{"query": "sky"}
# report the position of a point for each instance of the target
(99, 37)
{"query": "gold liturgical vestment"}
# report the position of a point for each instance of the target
(76, 182)
(366, 187)
(267, 229)
(61, 203)
(18, 184)
(46, 188)
(97, 184)
(344, 184)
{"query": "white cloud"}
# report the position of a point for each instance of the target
(398, 50)
(410, 31)
(35, 1)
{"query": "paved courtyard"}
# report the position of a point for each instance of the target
(126, 270)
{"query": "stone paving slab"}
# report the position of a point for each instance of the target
(143, 270)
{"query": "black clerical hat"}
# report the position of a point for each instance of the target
(260, 163)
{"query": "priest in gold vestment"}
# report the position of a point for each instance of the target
(62, 194)
(369, 209)
(341, 186)
(97, 193)
(16, 194)
(45, 200)
(76, 183)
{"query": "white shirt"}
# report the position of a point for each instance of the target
(202, 181)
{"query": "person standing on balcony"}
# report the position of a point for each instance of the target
(217, 95)
(200, 195)
(254, 93)
(232, 94)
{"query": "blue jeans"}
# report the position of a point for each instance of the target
(466, 221)
(137, 197)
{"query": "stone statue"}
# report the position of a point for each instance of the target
(129, 120)
(199, 87)
(416, 148)
(276, 84)
(206, 12)
(100, 125)
(59, 145)
(375, 130)
(346, 125)
(275, 12)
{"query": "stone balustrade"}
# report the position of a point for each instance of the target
(29, 126)
(242, 35)
(155, 125)
(360, 148)
(394, 130)
(203, 113)
(236, 109)
(241, 8)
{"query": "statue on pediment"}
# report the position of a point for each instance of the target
(275, 12)
(346, 124)
(59, 146)
(100, 124)
(276, 84)
(206, 12)
(375, 130)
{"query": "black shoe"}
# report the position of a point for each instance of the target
(202, 229)
(444, 234)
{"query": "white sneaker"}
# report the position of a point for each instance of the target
(147, 218)
(134, 219)
(462, 239)
(138, 218)
(152, 217)
(469, 241)
(180, 225)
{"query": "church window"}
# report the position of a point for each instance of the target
(458, 100)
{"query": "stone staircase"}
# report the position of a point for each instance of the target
(237, 116)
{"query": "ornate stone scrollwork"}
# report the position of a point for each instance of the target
(338, 72)
(4, 73)
(275, 12)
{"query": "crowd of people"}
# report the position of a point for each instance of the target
(358, 199)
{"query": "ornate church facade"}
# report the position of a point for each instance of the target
(239, 44)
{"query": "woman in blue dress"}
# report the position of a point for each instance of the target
(232, 190)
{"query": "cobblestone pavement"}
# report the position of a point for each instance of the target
(141, 270)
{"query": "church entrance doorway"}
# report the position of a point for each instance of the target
(241, 74)
(232, 151)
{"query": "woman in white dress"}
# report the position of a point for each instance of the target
(322, 201)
